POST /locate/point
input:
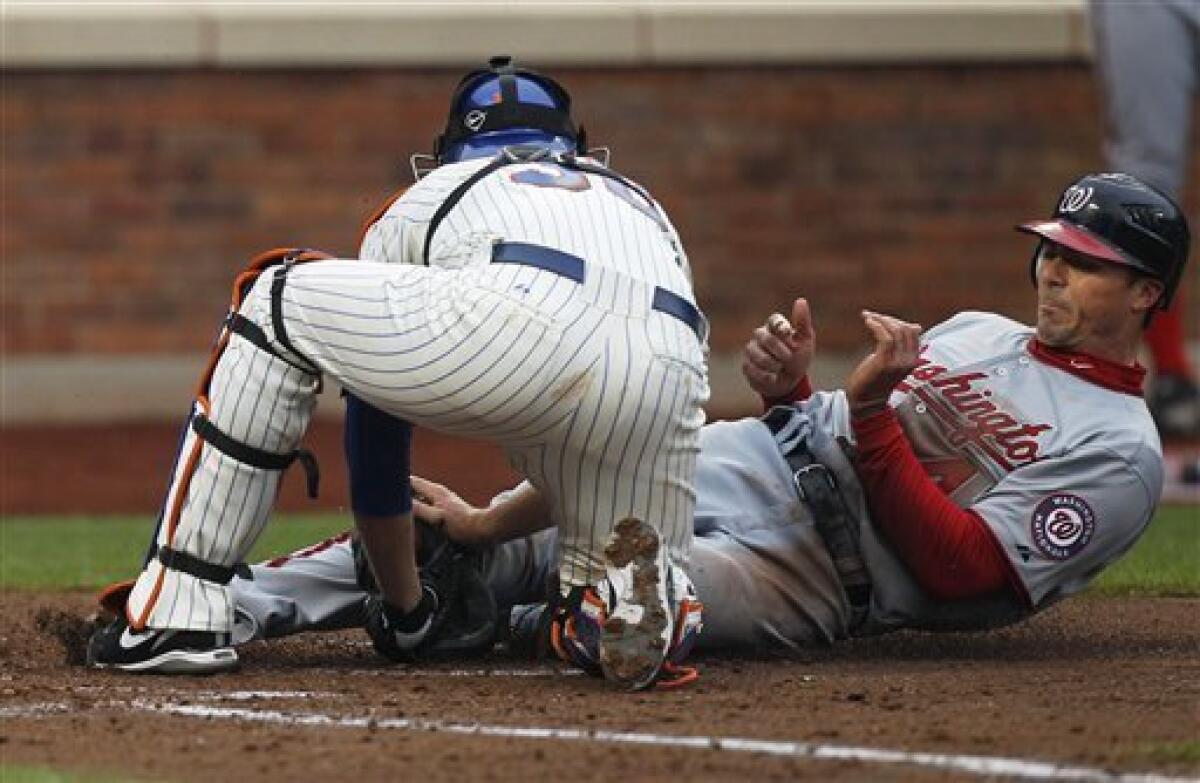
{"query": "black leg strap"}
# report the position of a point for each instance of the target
(257, 458)
(185, 563)
(239, 324)
(277, 324)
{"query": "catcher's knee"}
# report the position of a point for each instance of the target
(268, 272)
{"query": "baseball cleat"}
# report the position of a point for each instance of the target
(575, 626)
(155, 651)
(639, 624)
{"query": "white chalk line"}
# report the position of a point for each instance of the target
(35, 710)
(253, 695)
(979, 765)
(424, 672)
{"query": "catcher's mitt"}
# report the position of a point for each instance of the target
(464, 622)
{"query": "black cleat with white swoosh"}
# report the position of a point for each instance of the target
(152, 651)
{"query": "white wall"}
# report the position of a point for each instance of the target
(274, 33)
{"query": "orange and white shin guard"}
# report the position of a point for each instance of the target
(252, 407)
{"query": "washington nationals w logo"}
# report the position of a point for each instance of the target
(1075, 198)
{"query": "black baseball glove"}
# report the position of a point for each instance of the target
(464, 620)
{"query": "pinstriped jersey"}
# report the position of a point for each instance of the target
(604, 416)
(599, 218)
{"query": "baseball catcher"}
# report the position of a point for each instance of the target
(521, 292)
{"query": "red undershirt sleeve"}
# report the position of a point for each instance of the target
(949, 550)
(800, 392)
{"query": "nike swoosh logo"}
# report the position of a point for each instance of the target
(129, 639)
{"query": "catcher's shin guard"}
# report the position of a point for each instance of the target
(252, 407)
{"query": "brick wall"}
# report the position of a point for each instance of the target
(131, 198)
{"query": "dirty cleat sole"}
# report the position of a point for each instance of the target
(638, 628)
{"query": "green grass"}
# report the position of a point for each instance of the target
(1166, 561)
(22, 774)
(1182, 752)
(89, 552)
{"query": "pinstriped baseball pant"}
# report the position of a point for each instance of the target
(595, 398)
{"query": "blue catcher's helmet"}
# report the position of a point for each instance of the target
(503, 106)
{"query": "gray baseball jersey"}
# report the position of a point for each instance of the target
(580, 365)
(1065, 471)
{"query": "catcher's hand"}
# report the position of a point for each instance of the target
(440, 507)
(465, 618)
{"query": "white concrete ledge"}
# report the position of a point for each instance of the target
(293, 33)
(870, 32)
(67, 389)
(64, 389)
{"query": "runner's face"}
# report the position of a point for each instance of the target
(1087, 304)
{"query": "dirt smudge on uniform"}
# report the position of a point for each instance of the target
(573, 387)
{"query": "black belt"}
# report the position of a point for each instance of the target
(573, 267)
(835, 524)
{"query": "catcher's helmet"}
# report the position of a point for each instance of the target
(503, 105)
(1119, 218)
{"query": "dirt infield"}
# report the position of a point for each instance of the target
(1095, 684)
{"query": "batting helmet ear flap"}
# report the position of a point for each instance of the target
(1033, 261)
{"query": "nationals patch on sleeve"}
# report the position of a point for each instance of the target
(1062, 525)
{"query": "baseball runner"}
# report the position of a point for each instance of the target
(520, 292)
(994, 469)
